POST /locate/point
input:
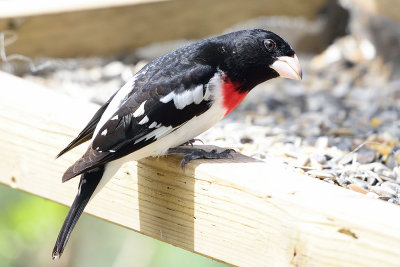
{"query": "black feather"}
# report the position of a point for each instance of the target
(87, 185)
(87, 133)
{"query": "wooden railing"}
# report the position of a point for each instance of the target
(239, 211)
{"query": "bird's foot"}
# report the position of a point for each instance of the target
(198, 153)
(192, 141)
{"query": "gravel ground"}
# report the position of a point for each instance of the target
(340, 124)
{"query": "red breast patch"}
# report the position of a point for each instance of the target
(231, 96)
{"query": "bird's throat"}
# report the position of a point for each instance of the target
(232, 96)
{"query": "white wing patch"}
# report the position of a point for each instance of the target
(140, 110)
(167, 98)
(144, 120)
(157, 133)
(104, 132)
(152, 125)
(198, 94)
(185, 98)
(207, 95)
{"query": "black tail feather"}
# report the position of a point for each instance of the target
(87, 132)
(87, 185)
(82, 137)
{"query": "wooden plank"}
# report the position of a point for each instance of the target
(383, 8)
(23, 8)
(114, 30)
(238, 211)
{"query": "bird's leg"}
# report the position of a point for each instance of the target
(192, 141)
(192, 153)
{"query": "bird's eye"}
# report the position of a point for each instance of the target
(269, 44)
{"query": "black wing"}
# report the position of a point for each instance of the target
(87, 133)
(125, 133)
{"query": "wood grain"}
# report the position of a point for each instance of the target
(85, 31)
(238, 211)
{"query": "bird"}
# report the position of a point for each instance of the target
(170, 101)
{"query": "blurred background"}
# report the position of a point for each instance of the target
(348, 101)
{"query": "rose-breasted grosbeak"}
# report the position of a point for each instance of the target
(171, 100)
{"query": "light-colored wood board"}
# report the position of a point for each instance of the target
(237, 211)
(115, 30)
(384, 8)
(23, 8)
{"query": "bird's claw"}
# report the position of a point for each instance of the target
(192, 141)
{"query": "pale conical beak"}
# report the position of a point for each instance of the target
(288, 67)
